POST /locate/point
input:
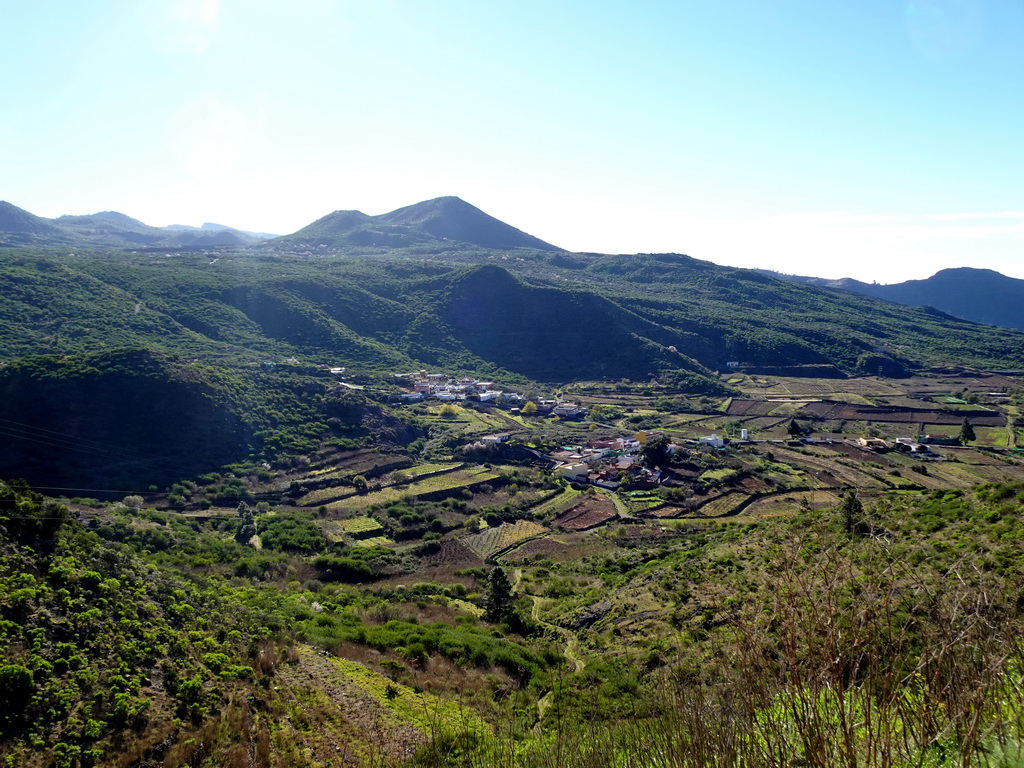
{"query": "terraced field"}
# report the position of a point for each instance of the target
(334, 492)
(438, 483)
(559, 503)
(590, 512)
(722, 505)
(357, 531)
(351, 463)
(780, 386)
(790, 503)
(492, 540)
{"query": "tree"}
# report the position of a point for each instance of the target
(794, 429)
(246, 524)
(530, 409)
(655, 452)
(16, 688)
(851, 509)
(498, 605)
(967, 432)
(448, 411)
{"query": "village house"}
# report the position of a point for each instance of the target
(495, 439)
(569, 411)
(909, 445)
(574, 472)
(712, 441)
(567, 455)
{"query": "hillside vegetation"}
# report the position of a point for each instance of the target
(601, 317)
(418, 490)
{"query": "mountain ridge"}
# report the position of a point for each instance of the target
(113, 228)
(977, 294)
(439, 220)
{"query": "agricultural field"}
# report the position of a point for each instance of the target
(347, 464)
(450, 481)
(591, 511)
(360, 527)
(493, 540)
(558, 503)
(609, 591)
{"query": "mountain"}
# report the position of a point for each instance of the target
(211, 227)
(116, 228)
(19, 227)
(441, 221)
(540, 314)
(118, 418)
(110, 228)
(980, 295)
(241, 237)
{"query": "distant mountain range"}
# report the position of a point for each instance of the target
(981, 295)
(453, 227)
(18, 227)
(439, 222)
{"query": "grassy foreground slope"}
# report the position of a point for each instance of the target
(886, 636)
(108, 660)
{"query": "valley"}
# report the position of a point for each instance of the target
(376, 496)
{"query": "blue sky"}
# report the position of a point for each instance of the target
(878, 139)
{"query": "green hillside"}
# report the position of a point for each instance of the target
(541, 316)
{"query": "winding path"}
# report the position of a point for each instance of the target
(571, 642)
(571, 646)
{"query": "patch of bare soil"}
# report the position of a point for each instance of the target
(546, 547)
(591, 512)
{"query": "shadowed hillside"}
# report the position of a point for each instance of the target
(117, 420)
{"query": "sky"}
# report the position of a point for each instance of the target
(875, 139)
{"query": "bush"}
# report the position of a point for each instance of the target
(344, 569)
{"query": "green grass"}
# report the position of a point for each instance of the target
(431, 715)
(373, 541)
(357, 525)
(557, 504)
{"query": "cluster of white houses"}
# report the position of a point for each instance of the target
(439, 386)
(613, 462)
